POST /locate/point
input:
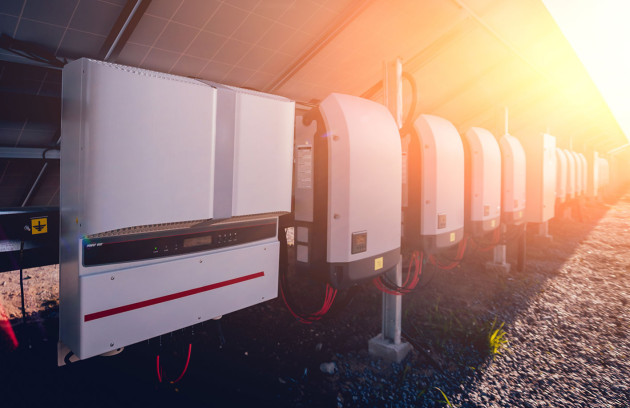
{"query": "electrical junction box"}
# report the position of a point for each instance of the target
(433, 214)
(561, 175)
(482, 181)
(593, 174)
(571, 175)
(541, 177)
(513, 180)
(579, 175)
(347, 190)
(143, 250)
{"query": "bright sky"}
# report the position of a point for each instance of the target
(599, 31)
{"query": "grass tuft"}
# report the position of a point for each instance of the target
(497, 339)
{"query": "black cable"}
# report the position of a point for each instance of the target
(22, 281)
(283, 274)
(418, 346)
(67, 358)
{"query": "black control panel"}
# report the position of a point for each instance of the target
(136, 247)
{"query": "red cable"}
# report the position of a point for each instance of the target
(496, 237)
(186, 366)
(329, 299)
(5, 326)
(461, 249)
(159, 370)
(407, 287)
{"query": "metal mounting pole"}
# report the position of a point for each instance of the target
(387, 344)
(499, 258)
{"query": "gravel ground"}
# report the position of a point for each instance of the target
(565, 318)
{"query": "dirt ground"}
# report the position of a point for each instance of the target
(565, 318)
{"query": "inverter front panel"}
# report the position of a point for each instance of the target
(255, 135)
(347, 190)
(122, 306)
(513, 180)
(561, 175)
(571, 175)
(437, 192)
(541, 177)
(483, 181)
(593, 174)
(604, 172)
(121, 117)
(585, 179)
(579, 175)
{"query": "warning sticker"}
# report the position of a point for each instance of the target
(452, 237)
(493, 223)
(39, 225)
(378, 263)
(304, 167)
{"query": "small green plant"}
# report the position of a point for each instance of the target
(497, 339)
(445, 397)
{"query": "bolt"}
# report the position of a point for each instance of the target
(112, 278)
(111, 344)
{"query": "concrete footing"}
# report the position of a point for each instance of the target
(388, 350)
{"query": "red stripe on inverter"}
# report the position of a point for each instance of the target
(162, 299)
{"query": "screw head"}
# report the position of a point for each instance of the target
(111, 344)
(112, 278)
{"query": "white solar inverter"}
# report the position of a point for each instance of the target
(482, 181)
(585, 179)
(143, 250)
(541, 177)
(593, 174)
(434, 212)
(347, 190)
(579, 175)
(561, 175)
(513, 180)
(571, 174)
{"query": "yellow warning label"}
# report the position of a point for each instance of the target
(378, 263)
(520, 214)
(452, 237)
(39, 225)
(493, 223)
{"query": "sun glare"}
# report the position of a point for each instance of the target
(598, 31)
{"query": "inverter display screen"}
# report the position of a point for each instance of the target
(197, 241)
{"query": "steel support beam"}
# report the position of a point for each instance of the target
(123, 28)
(28, 153)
